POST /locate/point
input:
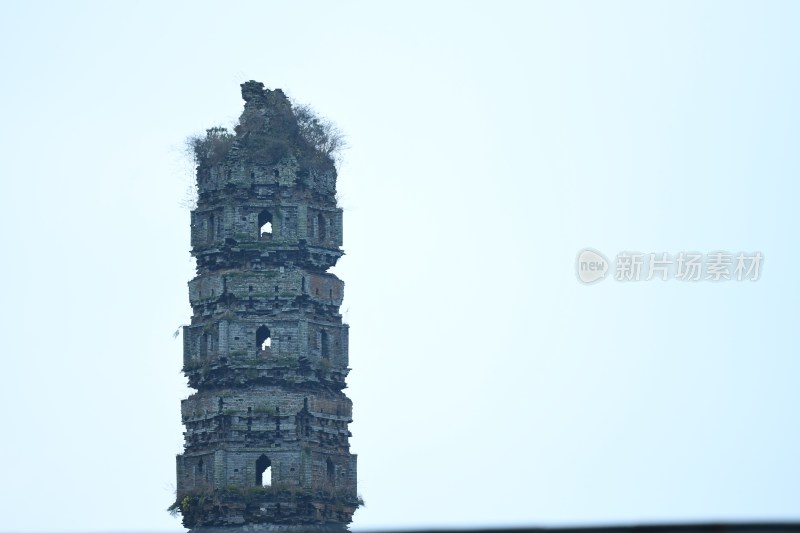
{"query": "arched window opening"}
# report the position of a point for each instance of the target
(200, 466)
(324, 344)
(331, 470)
(321, 227)
(263, 338)
(265, 223)
(263, 471)
(210, 228)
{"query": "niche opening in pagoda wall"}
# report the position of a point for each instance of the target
(331, 471)
(263, 340)
(263, 471)
(322, 227)
(265, 224)
(210, 228)
(324, 344)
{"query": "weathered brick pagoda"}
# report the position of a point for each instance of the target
(266, 440)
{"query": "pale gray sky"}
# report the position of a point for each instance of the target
(489, 143)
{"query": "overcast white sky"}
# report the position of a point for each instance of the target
(489, 143)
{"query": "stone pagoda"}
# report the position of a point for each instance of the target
(266, 440)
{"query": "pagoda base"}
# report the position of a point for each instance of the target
(246, 510)
(271, 528)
